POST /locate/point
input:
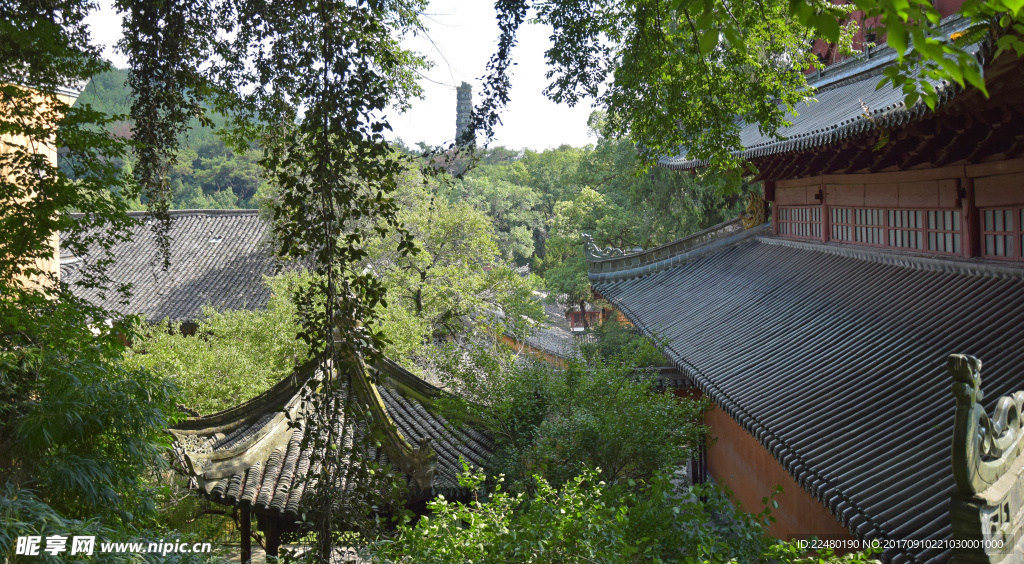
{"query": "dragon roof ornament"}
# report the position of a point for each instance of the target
(594, 252)
(987, 510)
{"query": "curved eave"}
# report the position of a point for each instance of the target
(847, 74)
(891, 117)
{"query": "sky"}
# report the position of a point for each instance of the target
(462, 35)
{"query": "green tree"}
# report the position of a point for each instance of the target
(456, 283)
(661, 205)
(565, 266)
(617, 339)
(234, 355)
(76, 425)
(557, 422)
(588, 520)
(512, 210)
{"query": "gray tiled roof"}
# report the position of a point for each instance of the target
(249, 455)
(834, 359)
(836, 111)
(218, 258)
(553, 336)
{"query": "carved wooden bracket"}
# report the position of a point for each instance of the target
(753, 215)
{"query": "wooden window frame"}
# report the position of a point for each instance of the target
(807, 218)
(853, 224)
(1015, 233)
(881, 227)
(906, 224)
(932, 234)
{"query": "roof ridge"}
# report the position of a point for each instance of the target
(177, 213)
(200, 211)
(903, 259)
(669, 255)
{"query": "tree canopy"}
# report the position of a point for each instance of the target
(685, 75)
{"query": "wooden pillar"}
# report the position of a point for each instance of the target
(769, 207)
(826, 221)
(245, 528)
(273, 533)
(971, 229)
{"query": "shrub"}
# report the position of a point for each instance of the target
(234, 355)
(587, 521)
(558, 421)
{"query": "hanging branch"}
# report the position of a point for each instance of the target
(166, 41)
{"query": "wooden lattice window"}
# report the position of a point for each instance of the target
(906, 229)
(1001, 233)
(944, 231)
(865, 226)
(800, 221)
(936, 231)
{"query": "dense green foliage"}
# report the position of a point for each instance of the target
(659, 68)
(207, 173)
(80, 429)
(590, 521)
(457, 284)
(557, 422)
(542, 202)
(233, 356)
(616, 338)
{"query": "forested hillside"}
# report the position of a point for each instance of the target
(208, 174)
(538, 202)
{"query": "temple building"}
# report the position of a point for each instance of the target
(218, 258)
(822, 336)
(49, 268)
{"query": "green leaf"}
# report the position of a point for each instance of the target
(896, 36)
(827, 26)
(735, 38)
(708, 41)
(1013, 6)
(803, 11)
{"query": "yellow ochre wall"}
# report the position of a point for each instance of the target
(51, 266)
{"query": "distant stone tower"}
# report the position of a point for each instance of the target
(463, 109)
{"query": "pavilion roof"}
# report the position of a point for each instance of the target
(249, 455)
